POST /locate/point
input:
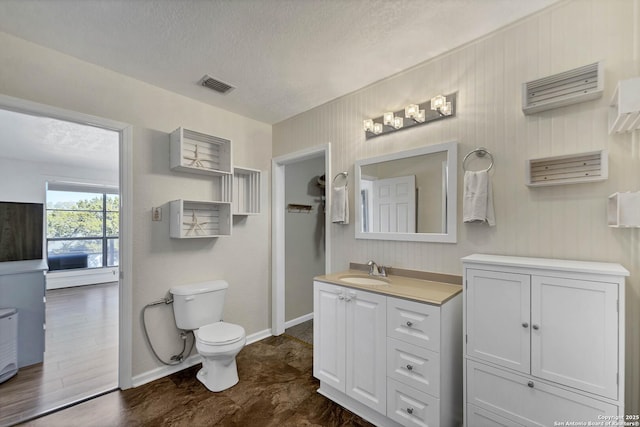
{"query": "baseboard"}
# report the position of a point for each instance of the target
(70, 278)
(163, 371)
(298, 320)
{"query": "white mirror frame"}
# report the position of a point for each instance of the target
(452, 195)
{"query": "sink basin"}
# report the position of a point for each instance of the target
(363, 280)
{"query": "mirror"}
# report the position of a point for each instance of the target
(409, 196)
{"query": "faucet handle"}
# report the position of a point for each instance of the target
(382, 270)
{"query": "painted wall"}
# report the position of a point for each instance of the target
(304, 236)
(558, 222)
(45, 76)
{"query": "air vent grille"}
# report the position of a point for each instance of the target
(216, 85)
(570, 87)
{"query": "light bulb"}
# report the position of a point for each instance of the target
(368, 125)
(411, 111)
(437, 102)
(387, 118)
(377, 128)
(446, 109)
(398, 122)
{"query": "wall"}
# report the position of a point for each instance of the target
(557, 222)
(45, 76)
(304, 236)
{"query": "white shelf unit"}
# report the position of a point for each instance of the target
(569, 169)
(243, 189)
(624, 110)
(192, 219)
(581, 84)
(623, 210)
(200, 153)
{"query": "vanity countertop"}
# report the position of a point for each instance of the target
(400, 286)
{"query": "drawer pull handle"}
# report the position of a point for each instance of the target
(530, 384)
(409, 411)
(536, 327)
(525, 325)
(409, 323)
(410, 367)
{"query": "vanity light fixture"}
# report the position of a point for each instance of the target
(437, 108)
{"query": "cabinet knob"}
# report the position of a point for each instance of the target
(409, 323)
(530, 384)
(410, 367)
(409, 411)
(525, 325)
(536, 327)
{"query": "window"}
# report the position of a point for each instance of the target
(82, 229)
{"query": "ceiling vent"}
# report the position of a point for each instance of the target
(570, 87)
(216, 85)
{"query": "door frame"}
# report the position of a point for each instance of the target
(278, 165)
(125, 321)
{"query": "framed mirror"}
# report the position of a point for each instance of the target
(408, 196)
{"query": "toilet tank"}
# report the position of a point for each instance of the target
(198, 304)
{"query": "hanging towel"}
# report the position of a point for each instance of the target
(340, 205)
(477, 202)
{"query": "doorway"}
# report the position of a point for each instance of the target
(279, 218)
(105, 307)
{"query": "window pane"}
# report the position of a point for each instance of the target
(113, 219)
(74, 224)
(67, 254)
(113, 252)
(72, 200)
(113, 202)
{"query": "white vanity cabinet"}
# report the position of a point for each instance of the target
(350, 342)
(544, 340)
(390, 360)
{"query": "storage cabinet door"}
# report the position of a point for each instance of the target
(366, 348)
(575, 333)
(329, 335)
(498, 317)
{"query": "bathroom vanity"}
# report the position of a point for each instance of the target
(390, 349)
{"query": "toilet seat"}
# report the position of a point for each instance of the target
(220, 333)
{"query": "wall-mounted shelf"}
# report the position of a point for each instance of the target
(569, 169)
(200, 153)
(623, 210)
(624, 110)
(192, 219)
(243, 189)
(570, 87)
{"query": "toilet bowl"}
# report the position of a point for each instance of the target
(218, 344)
(198, 307)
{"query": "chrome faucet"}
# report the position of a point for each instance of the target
(375, 270)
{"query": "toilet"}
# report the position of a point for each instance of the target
(198, 307)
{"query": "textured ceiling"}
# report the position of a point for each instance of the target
(283, 56)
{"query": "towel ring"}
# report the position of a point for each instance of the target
(480, 152)
(345, 174)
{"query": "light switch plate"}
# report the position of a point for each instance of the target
(156, 214)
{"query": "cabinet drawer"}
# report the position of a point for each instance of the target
(411, 407)
(414, 366)
(527, 400)
(477, 417)
(414, 322)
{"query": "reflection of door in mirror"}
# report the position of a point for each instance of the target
(394, 205)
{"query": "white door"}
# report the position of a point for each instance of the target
(329, 335)
(394, 205)
(574, 338)
(498, 318)
(366, 348)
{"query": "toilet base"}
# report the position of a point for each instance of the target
(218, 375)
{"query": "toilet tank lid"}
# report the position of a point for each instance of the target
(199, 288)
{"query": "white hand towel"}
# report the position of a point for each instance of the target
(340, 205)
(477, 202)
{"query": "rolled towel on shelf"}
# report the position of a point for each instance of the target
(340, 205)
(477, 202)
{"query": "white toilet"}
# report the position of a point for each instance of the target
(198, 307)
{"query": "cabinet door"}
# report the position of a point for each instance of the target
(574, 337)
(329, 335)
(498, 317)
(366, 348)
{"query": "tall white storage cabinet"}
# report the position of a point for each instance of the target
(544, 340)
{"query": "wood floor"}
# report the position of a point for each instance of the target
(81, 357)
(276, 388)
